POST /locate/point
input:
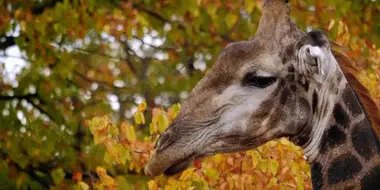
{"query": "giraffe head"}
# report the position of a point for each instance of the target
(257, 91)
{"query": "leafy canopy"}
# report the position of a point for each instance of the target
(128, 64)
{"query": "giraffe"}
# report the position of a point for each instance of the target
(281, 83)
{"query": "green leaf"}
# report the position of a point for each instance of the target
(83, 186)
(263, 165)
(272, 182)
(212, 173)
(273, 166)
(249, 5)
(108, 158)
(142, 19)
(58, 175)
(125, 155)
(231, 20)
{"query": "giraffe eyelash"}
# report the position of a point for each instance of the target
(260, 81)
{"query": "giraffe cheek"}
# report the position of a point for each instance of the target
(298, 115)
(304, 112)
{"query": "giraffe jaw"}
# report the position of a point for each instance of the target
(178, 167)
(157, 165)
(181, 165)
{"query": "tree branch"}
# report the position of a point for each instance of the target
(19, 97)
(29, 98)
(180, 25)
(30, 171)
(103, 83)
(40, 7)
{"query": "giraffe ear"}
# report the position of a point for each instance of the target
(318, 38)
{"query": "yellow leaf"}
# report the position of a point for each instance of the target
(211, 9)
(175, 110)
(108, 158)
(142, 106)
(124, 155)
(273, 166)
(256, 157)
(346, 38)
(230, 182)
(186, 174)
(139, 118)
(212, 173)
(99, 138)
(108, 181)
(273, 181)
(305, 166)
(194, 11)
(249, 5)
(107, 28)
(142, 19)
(155, 113)
(246, 165)
(162, 122)
(295, 168)
(263, 165)
(287, 186)
(331, 24)
(58, 175)
(131, 166)
(113, 130)
(83, 186)
(101, 171)
(104, 178)
(111, 146)
(231, 20)
(285, 141)
(340, 28)
(153, 128)
(272, 144)
(131, 135)
(152, 185)
(299, 182)
(218, 158)
(99, 123)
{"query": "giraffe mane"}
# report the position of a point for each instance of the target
(350, 72)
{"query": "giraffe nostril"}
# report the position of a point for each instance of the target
(308, 51)
(315, 61)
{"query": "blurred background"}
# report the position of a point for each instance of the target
(64, 62)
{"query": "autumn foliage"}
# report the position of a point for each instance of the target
(87, 86)
(275, 165)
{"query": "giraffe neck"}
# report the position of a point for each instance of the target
(348, 155)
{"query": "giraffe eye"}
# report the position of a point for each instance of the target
(260, 81)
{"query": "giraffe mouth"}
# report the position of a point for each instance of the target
(178, 167)
(182, 164)
(173, 169)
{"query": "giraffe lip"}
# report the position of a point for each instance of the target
(180, 165)
(177, 167)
